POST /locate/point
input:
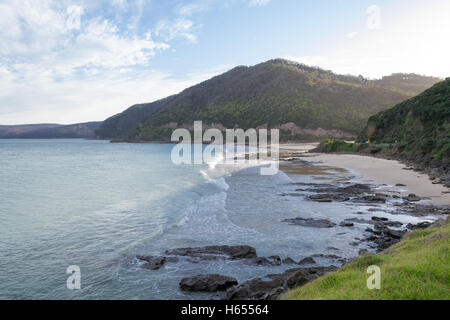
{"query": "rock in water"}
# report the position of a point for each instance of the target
(208, 282)
(307, 260)
(209, 252)
(152, 262)
(319, 223)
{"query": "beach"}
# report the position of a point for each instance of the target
(366, 169)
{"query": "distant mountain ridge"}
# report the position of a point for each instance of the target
(302, 101)
(49, 131)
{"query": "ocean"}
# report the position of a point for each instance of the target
(98, 205)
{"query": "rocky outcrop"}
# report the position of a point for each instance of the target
(215, 252)
(309, 222)
(208, 283)
(272, 285)
(152, 262)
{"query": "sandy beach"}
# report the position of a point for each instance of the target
(378, 171)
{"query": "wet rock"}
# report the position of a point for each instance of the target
(308, 260)
(276, 260)
(297, 278)
(209, 283)
(255, 289)
(275, 293)
(400, 185)
(346, 224)
(289, 261)
(362, 252)
(216, 252)
(152, 262)
(327, 256)
(373, 198)
(309, 222)
(260, 261)
(271, 286)
(328, 197)
(379, 219)
(359, 220)
(412, 198)
(396, 234)
(421, 225)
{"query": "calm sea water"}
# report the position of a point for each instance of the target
(97, 205)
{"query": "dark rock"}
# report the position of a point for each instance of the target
(152, 262)
(271, 286)
(412, 198)
(254, 289)
(379, 219)
(307, 260)
(421, 225)
(297, 278)
(373, 198)
(359, 220)
(396, 234)
(328, 197)
(216, 252)
(327, 256)
(261, 261)
(209, 283)
(288, 261)
(319, 223)
(346, 224)
(276, 260)
(400, 185)
(363, 251)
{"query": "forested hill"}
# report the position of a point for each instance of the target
(302, 101)
(49, 131)
(418, 128)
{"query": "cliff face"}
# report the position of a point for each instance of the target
(302, 101)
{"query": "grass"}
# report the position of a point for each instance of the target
(416, 268)
(337, 145)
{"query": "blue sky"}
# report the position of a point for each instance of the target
(68, 61)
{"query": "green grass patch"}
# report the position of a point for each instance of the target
(337, 145)
(418, 267)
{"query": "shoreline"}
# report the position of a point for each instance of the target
(392, 173)
(383, 221)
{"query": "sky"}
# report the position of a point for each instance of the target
(71, 61)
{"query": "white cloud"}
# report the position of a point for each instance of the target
(415, 42)
(95, 98)
(58, 64)
(351, 35)
(179, 28)
(258, 3)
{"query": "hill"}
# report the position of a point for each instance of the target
(49, 131)
(416, 131)
(418, 128)
(302, 101)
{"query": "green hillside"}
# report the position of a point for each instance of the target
(277, 93)
(418, 128)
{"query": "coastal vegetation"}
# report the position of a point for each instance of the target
(418, 128)
(414, 268)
